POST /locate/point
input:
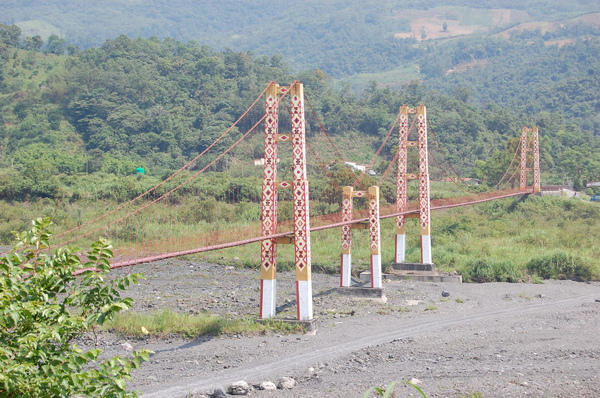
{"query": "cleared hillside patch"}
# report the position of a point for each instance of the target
(458, 21)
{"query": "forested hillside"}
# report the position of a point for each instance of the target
(340, 37)
(157, 103)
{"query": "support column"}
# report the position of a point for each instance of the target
(375, 237)
(424, 196)
(523, 164)
(537, 183)
(401, 187)
(346, 256)
(302, 250)
(268, 283)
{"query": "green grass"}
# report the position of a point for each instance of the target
(508, 240)
(167, 322)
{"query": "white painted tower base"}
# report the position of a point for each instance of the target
(346, 270)
(376, 277)
(426, 257)
(304, 305)
(268, 303)
(400, 248)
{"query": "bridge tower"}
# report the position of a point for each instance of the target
(530, 144)
(373, 225)
(424, 213)
(299, 186)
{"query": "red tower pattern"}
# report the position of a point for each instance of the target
(401, 183)
(424, 196)
(347, 207)
(300, 185)
(269, 190)
(523, 164)
(374, 229)
(537, 183)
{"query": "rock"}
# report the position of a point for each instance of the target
(127, 347)
(445, 294)
(267, 385)
(218, 393)
(414, 381)
(286, 383)
(238, 388)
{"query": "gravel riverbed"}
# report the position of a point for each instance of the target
(497, 339)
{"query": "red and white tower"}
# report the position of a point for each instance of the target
(373, 225)
(537, 181)
(523, 164)
(423, 178)
(299, 185)
(530, 145)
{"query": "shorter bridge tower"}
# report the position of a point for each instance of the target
(374, 235)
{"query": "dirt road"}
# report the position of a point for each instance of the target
(498, 339)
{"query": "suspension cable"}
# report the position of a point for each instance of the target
(187, 165)
(173, 189)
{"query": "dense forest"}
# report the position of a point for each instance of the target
(71, 105)
(340, 37)
(156, 103)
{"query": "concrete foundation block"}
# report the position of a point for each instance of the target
(373, 293)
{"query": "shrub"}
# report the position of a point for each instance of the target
(44, 307)
(561, 265)
(482, 271)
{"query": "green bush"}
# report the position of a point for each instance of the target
(561, 265)
(482, 271)
(44, 307)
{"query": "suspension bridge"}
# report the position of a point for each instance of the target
(271, 230)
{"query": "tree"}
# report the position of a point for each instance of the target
(10, 35)
(44, 307)
(33, 43)
(56, 45)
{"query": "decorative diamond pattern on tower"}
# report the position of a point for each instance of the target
(523, 164)
(401, 183)
(424, 195)
(269, 192)
(537, 183)
(374, 229)
(346, 217)
(300, 184)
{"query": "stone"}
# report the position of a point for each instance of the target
(238, 388)
(414, 381)
(267, 385)
(286, 383)
(445, 294)
(127, 347)
(218, 393)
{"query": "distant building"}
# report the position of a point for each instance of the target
(356, 166)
